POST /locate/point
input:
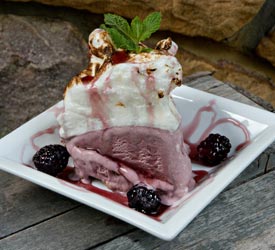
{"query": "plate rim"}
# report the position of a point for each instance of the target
(174, 225)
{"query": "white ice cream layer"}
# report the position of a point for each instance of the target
(133, 93)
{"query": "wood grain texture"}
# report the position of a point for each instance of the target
(79, 228)
(242, 217)
(23, 204)
(265, 162)
(216, 87)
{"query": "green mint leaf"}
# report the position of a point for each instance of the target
(103, 26)
(137, 28)
(151, 24)
(146, 49)
(127, 36)
(121, 41)
(119, 23)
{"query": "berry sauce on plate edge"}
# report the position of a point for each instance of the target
(199, 175)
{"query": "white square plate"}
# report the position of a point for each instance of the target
(18, 147)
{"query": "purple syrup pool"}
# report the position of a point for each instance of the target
(122, 159)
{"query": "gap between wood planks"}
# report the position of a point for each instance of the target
(40, 222)
(264, 161)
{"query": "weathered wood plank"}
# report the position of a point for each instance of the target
(265, 104)
(240, 218)
(33, 204)
(263, 163)
(77, 229)
(216, 87)
(23, 204)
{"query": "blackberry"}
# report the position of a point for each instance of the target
(143, 199)
(214, 149)
(51, 159)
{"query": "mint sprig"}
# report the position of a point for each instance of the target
(129, 36)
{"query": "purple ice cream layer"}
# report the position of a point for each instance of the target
(124, 156)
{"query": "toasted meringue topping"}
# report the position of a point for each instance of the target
(122, 89)
(167, 45)
(100, 44)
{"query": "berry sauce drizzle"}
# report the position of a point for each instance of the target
(65, 178)
(119, 57)
(150, 87)
(57, 110)
(50, 130)
(198, 175)
(190, 129)
(65, 175)
(98, 102)
(86, 79)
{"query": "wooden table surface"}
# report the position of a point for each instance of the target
(241, 217)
